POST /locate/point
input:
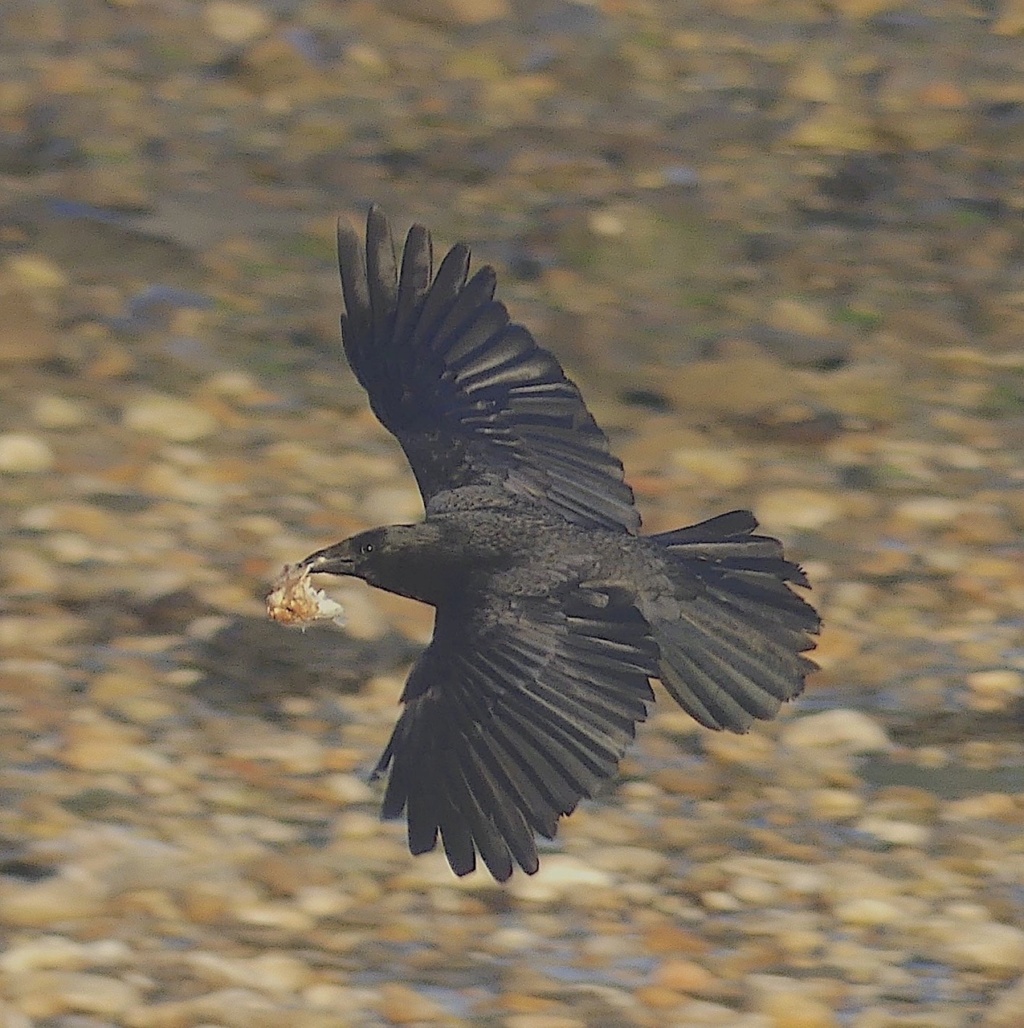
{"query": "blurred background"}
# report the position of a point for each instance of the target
(780, 247)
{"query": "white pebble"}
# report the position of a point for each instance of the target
(235, 23)
(169, 417)
(991, 946)
(999, 683)
(799, 508)
(931, 510)
(559, 876)
(867, 911)
(44, 994)
(347, 789)
(848, 730)
(22, 454)
(896, 833)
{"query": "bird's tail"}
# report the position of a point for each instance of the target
(732, 639)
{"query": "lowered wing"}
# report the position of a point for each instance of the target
(512, 714)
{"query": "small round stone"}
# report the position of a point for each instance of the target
(23, 454)
(169, 417)
(848, 730)
(806, 509)
(401, 1005)
(868, 911)
(42, 904)
(52, 411)
(992, 690)
(560, 875)
(931, 511)
(990, 946)
(45, 994)
(235, 23)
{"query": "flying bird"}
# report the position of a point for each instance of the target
(552, 612)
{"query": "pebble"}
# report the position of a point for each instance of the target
(54, 952)
(235, 23)
(276, 973)
(321, 901)
(868, 911)
(896, 833)
(284, 917)
(850, 731)
(834, 126)
(985, 806)
(739, 750)
(297, 754)
(755, 892)
(542, 1021)
(702, 1014)
(95, 743)
(232, 1008)
(560, 877)
(836, 804)
(25, 571)
(348, 789)
(990, 946)
(805, 509)
(716, 466)
(175, 483)
(401, 1005)
(632, 862)
(995, 689)
(169, 417)
(61, 412)
(931, 511)
(28, 335)
(788, 315)
(35, 272)
(44, 994)
(22, 454)
(47, 904)
(814, 81)
(797, 1011)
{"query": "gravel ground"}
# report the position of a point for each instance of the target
(781, 248)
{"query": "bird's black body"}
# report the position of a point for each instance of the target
(552, 613)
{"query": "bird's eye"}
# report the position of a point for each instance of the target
(366, 548)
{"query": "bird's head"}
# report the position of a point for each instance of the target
(403, 559)
(354, 556)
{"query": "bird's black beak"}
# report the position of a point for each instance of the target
(334, 560)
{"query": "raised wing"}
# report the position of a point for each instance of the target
(511, 716)
(471, 397)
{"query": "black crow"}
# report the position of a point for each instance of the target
(552, 612)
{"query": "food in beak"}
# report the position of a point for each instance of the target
(292, 600)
